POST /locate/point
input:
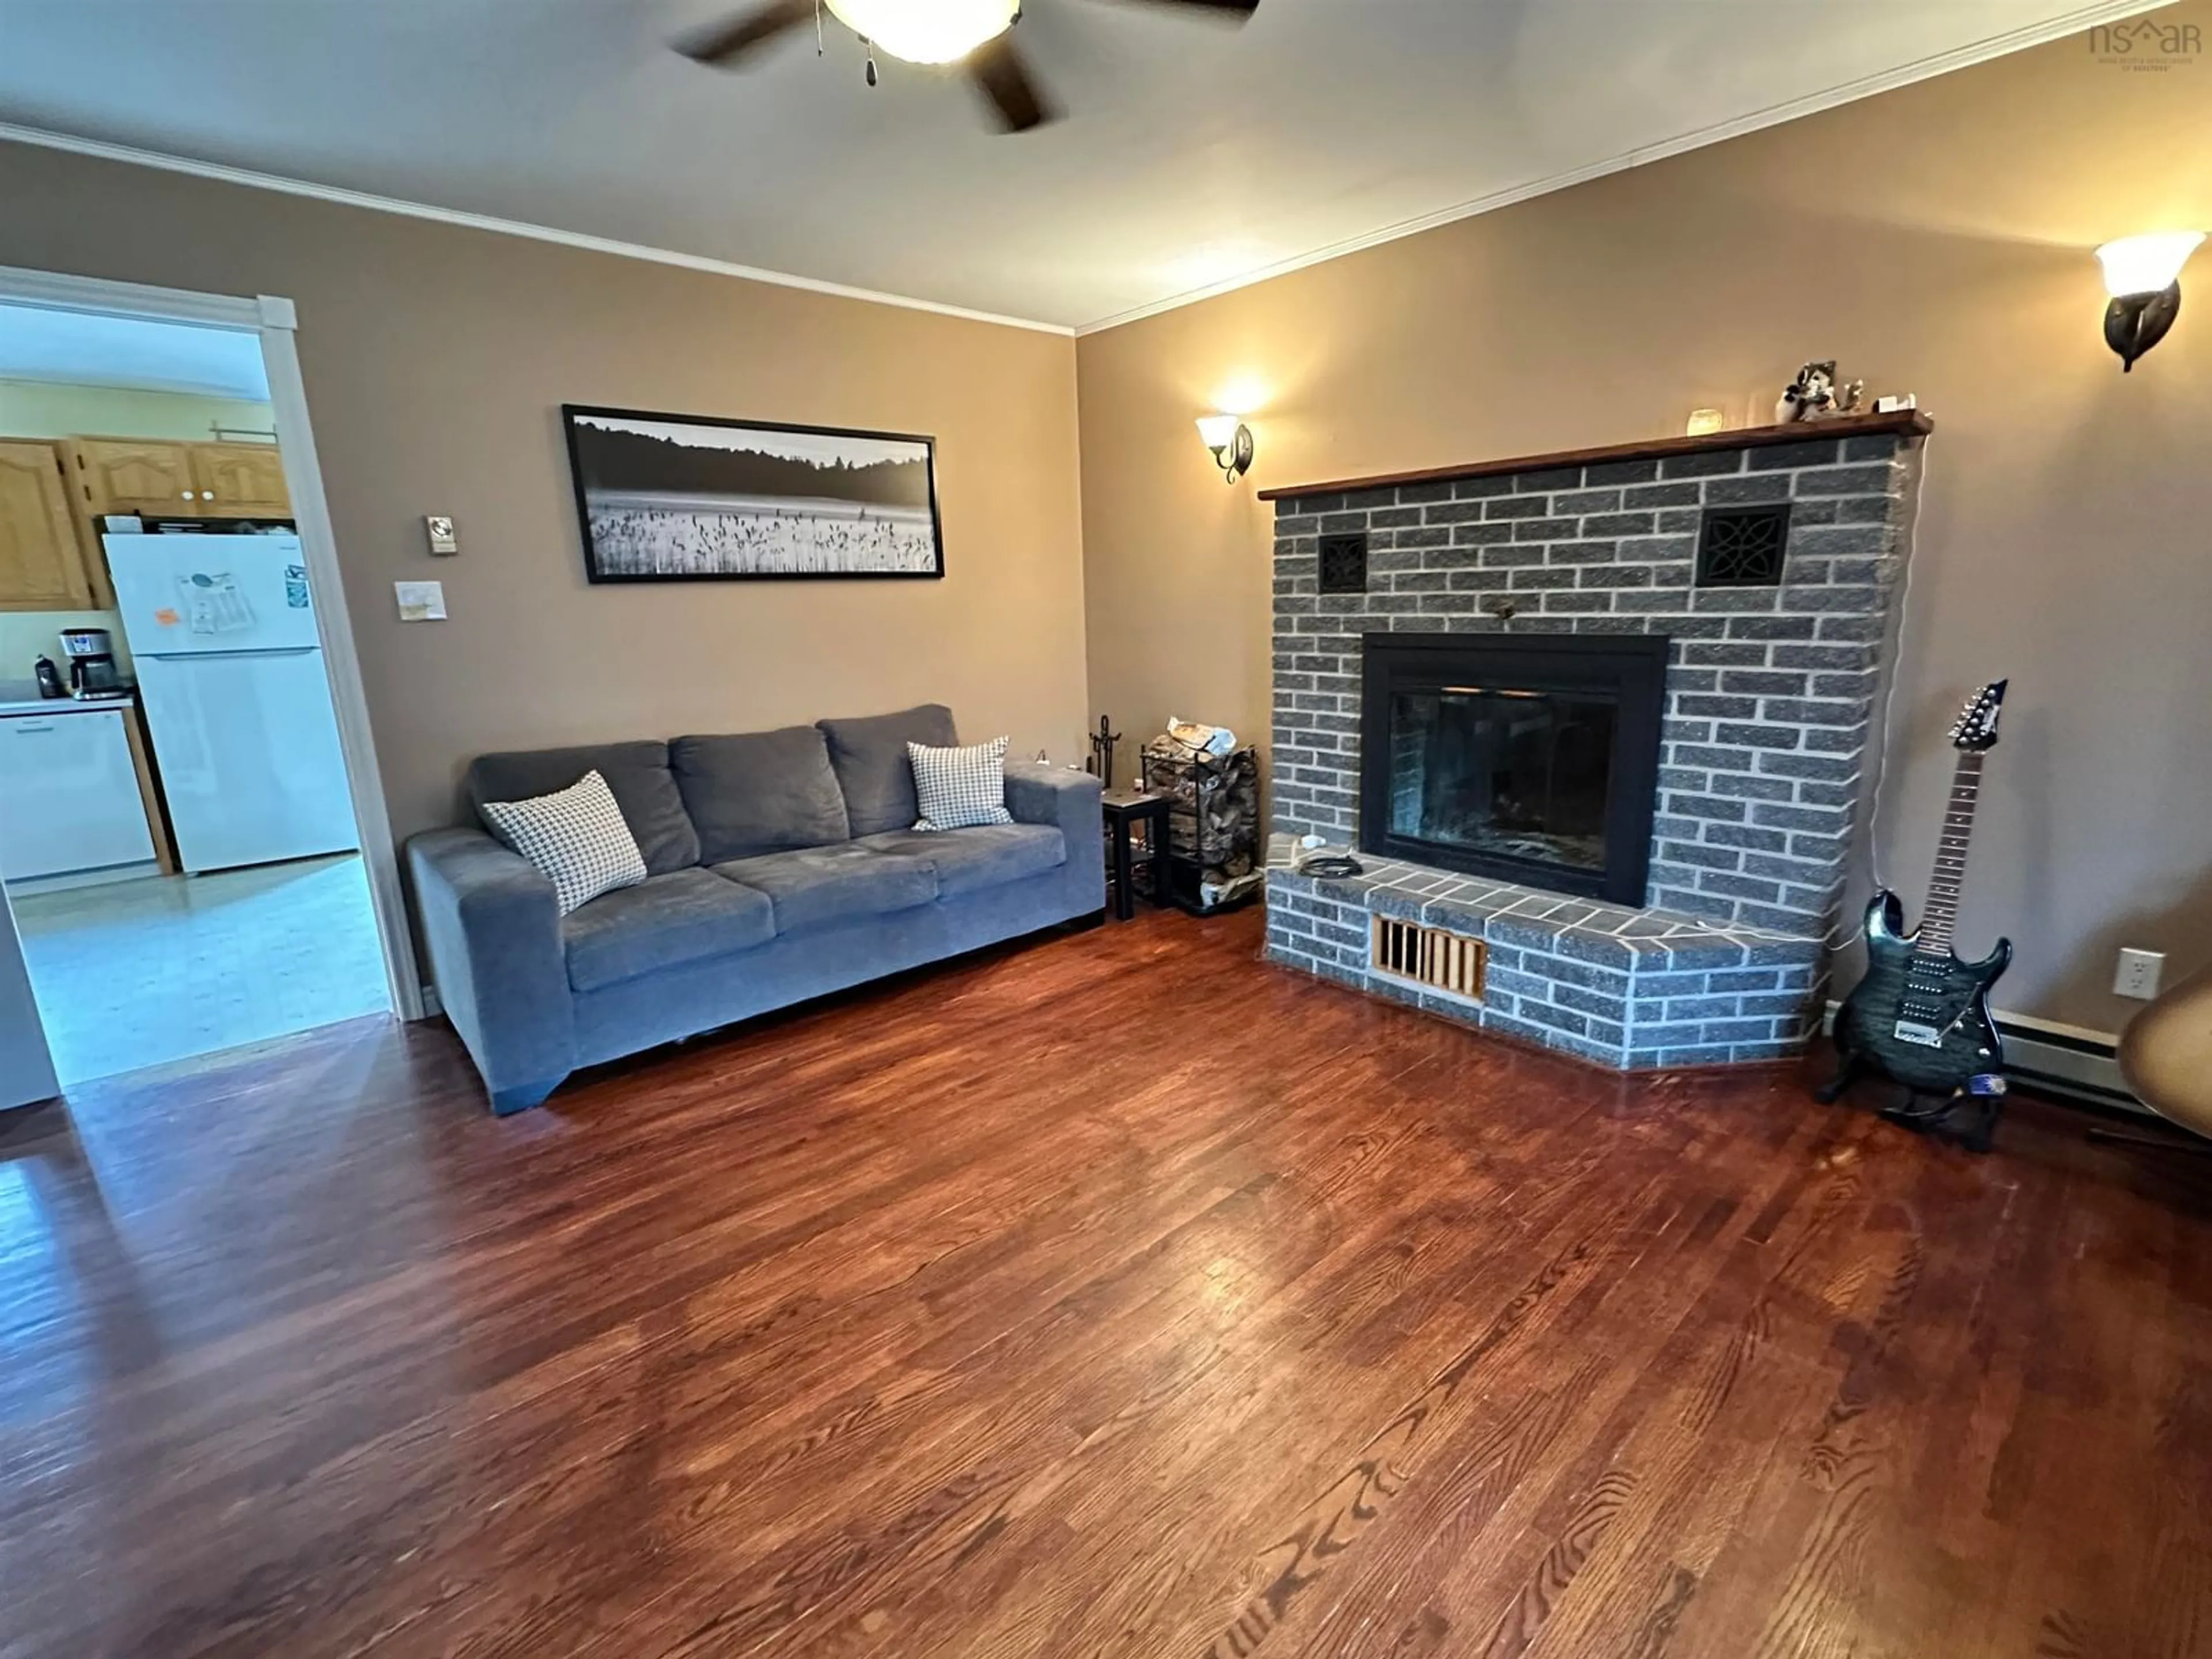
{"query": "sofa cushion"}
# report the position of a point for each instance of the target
(987, 855)
(814, 884)
(672, 920)
(576, 838)
(638, 774)
(759, 792)
(872, 768)
(956, 789)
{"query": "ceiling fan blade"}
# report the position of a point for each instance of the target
(1000, 76)
(1235, 11)
(724, 43)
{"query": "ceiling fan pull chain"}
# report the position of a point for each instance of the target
(871, 45)
(817, 28)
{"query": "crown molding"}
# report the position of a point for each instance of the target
(102, 150)
(1925, 69)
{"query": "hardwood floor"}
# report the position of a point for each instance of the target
(1117, 1295)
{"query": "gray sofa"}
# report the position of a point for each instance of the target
(781, 866)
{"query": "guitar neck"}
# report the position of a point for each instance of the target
(1941, 913)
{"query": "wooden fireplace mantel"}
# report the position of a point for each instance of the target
(1907, 424)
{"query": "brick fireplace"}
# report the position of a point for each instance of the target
(1758, 567)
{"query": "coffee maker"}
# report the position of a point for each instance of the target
(92, 669)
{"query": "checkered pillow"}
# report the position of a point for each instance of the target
(576, 838)
(960, 788)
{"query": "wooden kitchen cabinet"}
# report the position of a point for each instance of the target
(166, 479)
(42, 565)
(241, 480)
(133, 475)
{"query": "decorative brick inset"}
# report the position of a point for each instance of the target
(1743, 546)
(1344, 563)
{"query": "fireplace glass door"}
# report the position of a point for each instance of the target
(1510, 774)
(1533, 757)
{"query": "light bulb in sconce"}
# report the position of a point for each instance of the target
(2143, 275)
(1231, 440)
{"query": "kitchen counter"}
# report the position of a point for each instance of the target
(21, 697)
(59, 705)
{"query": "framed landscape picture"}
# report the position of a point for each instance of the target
(673, 498)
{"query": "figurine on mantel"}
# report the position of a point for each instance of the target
(1814, 395)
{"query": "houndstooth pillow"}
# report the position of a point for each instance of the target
(576, 838)
(958, 788)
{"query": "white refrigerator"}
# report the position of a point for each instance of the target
(221, 631)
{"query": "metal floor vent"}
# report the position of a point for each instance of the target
(1428, 955)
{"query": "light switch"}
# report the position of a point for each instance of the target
(444, 544)
(421, 601)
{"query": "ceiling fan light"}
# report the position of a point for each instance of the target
(927, 31)
(2147, 264)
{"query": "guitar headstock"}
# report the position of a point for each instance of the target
(1976, 728)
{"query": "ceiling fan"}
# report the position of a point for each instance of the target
(974, 34)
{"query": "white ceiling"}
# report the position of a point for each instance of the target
(1195, 155)
(77, 347)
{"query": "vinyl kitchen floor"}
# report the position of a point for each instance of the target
(146, 972)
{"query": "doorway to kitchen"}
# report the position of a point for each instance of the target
(192, 840)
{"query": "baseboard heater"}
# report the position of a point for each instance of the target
(1429, 957)
(2058, 1063)
(2061, 1061)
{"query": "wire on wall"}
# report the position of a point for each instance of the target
(1845, 927)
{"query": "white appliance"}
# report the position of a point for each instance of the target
(230, 673)
(27, 1069)
(68, 794)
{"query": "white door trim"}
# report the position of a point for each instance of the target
(273, 319)
(26, 1068)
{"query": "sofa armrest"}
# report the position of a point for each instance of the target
(1066, 800)
(491, 924)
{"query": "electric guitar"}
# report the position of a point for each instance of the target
(1920, 1016)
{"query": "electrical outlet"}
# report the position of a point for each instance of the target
(2138, 974)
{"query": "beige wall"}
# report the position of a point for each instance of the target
(39, 409)
(27, 635)
(1937, 240)
(436, 360)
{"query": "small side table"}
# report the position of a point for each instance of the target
(1122, 809)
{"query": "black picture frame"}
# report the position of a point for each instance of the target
(591, 457)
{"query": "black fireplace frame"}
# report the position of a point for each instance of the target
(1632, 666)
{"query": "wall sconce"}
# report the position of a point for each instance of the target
(1231, 440)
(2143, 276)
